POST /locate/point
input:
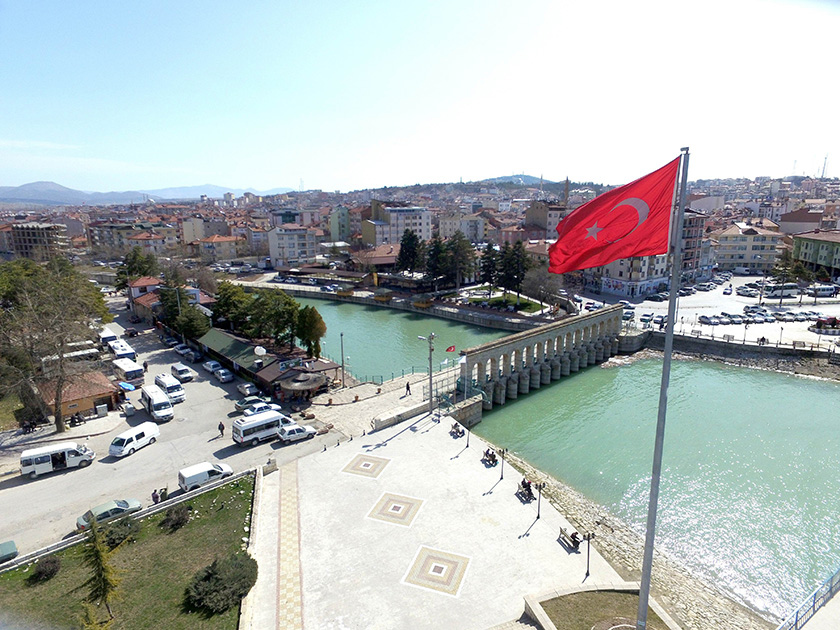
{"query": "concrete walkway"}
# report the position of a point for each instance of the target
(405, 528)
(827, 617)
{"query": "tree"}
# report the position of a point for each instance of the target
(233, 304)
(489, 268)
(541, 284)
(438, 265)
(461, 257)
(135, 265)
(104, 581)
(514, 264)
(191, 322)
(174, 301)
(89, 620)
(206, 281)
(46, 310)
(410, 251)
(274, 314)
(310, 329)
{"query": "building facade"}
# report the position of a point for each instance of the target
(39, 241)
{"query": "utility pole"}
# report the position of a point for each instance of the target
(431, 340)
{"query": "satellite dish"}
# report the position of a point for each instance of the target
(259, 351)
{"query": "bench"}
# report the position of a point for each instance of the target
(567, 539)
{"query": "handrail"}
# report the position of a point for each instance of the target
(811, 604)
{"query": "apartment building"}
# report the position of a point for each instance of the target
(217, 247)
(820, 248)
(390, 219)
(39, 241)
(545, 216)
(470, 225)
(291, 244)
(744, 245)
(340, 224)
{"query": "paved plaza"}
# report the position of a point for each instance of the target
(405, 528)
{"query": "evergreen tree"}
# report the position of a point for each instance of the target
(191, 323)
(504, 275)
(514, 265)
(461, 257)
(310, 329)
(490, 268)
(274, 314)
(135, 265)
(410, 251)
(104, 581)
(233, 305)
(438, 265)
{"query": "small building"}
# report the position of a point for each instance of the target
(81, 393)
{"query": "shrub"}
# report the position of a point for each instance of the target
(45, 569)
(223, 584)
(120, 531)
(176, 517)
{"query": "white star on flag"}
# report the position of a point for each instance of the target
(593, 231)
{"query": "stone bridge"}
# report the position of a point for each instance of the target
(516, 364)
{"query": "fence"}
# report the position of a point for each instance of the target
(816, 600)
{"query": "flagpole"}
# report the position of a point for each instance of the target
(676, 272)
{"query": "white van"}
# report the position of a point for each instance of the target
(172, 386)
(195, 476)
(181, 372)
(156, 403)
(37, 461)
(261, 426)
(134, 438)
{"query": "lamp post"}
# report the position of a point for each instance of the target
(342, 360)
(431, 340)
(588, 538)
(502, 452)
(781, 330)
(539, 486)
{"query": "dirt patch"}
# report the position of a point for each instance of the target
(598, 610)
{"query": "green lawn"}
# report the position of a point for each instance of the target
(9, 404)
(155, 571)
(525, 305)
(598, 609)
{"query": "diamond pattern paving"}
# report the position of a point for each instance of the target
(437, 570)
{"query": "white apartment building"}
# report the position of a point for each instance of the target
(629, 277)
(388, 222)
(470, 225)
(291, 244)
(743, 245)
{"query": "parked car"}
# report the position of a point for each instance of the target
(628, 306)
(108, 511)
(193, 356)
(170, 342)
(248, 401)
(705, 319)
(223, 375)
(736, 319)
(801, 317)
(724, 320)
(655, 297)
(247, 389)
(646, 317)
(659, 320)
(130, 332)
(727, 291)
(260, 407)
(8, 551)
(295, 432)
(181, 348)
(628, 315)
(211, 366)
(134, 319)
(195, 476)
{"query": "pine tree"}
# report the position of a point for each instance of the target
(461, 257)
(104, 581)
(310, 329)
(410, 251)
(490, 268)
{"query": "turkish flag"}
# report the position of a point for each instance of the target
(631, 220)
(451, 349)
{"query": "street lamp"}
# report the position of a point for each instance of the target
(342, 360)
(588, 538)
(431, 340)
(781, 330)
(539, 487)
(502, 452)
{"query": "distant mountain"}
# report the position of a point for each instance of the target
(522, 180)
(52, 194)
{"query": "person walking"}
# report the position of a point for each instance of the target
(155, 496)
(221, 429)
(407, 388)
(145, 366)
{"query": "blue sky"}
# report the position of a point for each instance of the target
(119, 96)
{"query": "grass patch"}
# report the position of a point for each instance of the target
(598, 610)
(525, 305)
(10, 407)
(155, 571)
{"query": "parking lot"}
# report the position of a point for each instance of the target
(705, 304)
(41, 511)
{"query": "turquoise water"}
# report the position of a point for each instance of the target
(751, 460)
(749, 490)
(382, 342)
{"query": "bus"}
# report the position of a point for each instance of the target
(121, 350)
(261, 426)
(787, 289)
(156, 403)
(821, 290)
(128, 371)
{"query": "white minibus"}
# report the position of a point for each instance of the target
(821, 290)
(37, 461)
(121, 350)
(172, 386)
(128, 371)
(261, 426)
(156, 403)
(787, 289)
(106, 336)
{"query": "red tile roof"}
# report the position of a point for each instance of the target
(145, 281)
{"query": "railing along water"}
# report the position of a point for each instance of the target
(816, 600)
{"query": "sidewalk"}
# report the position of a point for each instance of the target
(405, 528)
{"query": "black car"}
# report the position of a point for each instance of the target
(656, 297)
(130, 332)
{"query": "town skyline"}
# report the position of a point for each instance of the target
(334, 97)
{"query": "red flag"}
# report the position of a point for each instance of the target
(631, 220)
(451, 349)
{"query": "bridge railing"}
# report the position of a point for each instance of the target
(816, 600)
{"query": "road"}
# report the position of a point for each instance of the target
(42, 511)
